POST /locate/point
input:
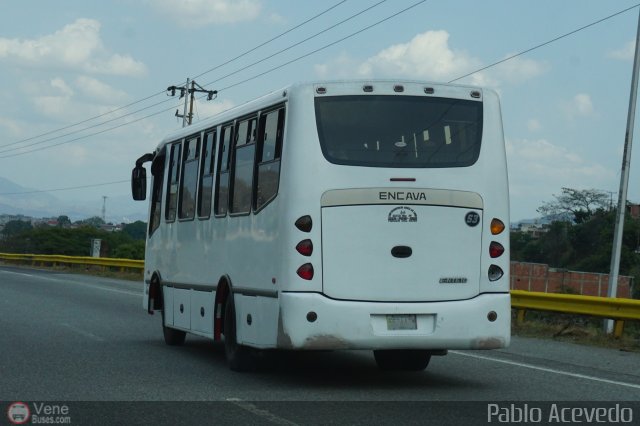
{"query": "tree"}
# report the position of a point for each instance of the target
(136, 230)
(64, 221)
(94, 221)
(16, 227)
(582, 204)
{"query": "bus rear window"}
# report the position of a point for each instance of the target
(399, 131)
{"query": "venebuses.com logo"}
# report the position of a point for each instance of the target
(18, 413)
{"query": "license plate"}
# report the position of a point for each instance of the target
(401, 322)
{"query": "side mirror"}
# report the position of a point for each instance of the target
(139, 183)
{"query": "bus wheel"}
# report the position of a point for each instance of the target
(172, 337)
(402, 359)
(239, 357)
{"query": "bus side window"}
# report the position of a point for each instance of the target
(189, 178)
(206, 174)
(270, 138)
(157, 171)
(222, 185)
(243, 166)
(172, 184)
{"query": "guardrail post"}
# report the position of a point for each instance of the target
(618, 328)
(520, 318)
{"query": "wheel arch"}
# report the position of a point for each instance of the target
(156, 299)
(223, 290)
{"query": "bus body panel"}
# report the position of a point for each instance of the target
(345, 324)
(381, 253)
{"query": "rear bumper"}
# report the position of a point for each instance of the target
(340, 324)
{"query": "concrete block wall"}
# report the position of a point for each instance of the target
(541, 277)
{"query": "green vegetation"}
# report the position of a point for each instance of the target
(581, 237)
(73, 239)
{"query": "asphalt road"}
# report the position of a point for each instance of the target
(71, 338)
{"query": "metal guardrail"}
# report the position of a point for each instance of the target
(612, 308)
(46, 259)
(605, 307)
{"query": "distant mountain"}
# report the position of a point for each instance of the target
(17, 199)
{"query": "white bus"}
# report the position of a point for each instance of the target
(334, 215)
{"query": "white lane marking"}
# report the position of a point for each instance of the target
(549, 370)
(82, 332)
(58, 280)
(247, 406)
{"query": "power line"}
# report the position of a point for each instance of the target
(325, 47)
(66, 189)
(159, 93)
(89, 135)
(545, 43)
(300, 42)
(228, 75)
(82, 122)
(304, 56)
(270, 40)
(83, 129)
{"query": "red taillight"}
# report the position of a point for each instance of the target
(304, 223)
(495, 249)
(305, 247)
(305, 271)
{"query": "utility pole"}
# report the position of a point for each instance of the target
(624, 182)
(185, 91)
(184, 112)
(104, 208)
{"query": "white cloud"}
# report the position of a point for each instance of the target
(204, 12)
(11, 126)
(624, 53)
(52, 98)
(519, 69)
(580, 105)
(540, 167)
(99, 91)
(69, 102)
(533, 124)
(77, 46)
(428, 56)
(207, 109)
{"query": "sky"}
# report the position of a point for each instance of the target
(84, 82)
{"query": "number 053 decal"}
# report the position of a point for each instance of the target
(472, 218)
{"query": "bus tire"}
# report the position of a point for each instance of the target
(402, 359)
(172, 337)
(239, 357)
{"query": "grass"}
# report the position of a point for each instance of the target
(578, 329)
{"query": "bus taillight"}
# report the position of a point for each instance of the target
(304, 223)
(305, 247)
(306, 271)
(495, 249)
(495, 273)
(497, 226)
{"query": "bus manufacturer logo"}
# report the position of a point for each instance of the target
(453, 280)
(402, 196)
(472, 219)
(403, 214)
